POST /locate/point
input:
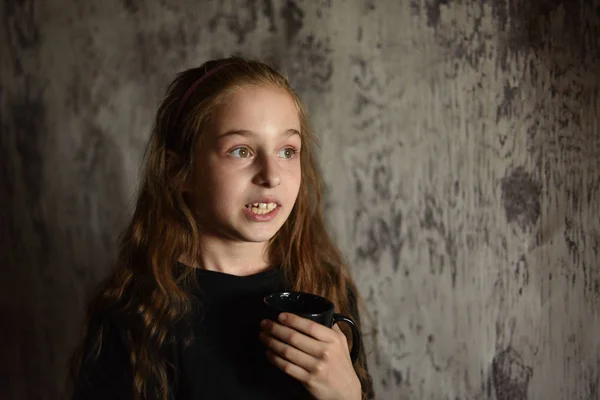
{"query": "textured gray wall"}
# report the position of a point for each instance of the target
(460, 143)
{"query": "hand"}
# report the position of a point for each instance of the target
(315, 355)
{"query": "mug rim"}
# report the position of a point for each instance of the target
(330, 305)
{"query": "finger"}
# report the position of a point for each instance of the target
(308, 327)
(294, 338)
(340, 333)
(289, 353)
(343, 340)
(289, 368)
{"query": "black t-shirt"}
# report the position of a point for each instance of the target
(226, 359)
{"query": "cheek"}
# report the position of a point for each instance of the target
(298, 171)
(294, 177)
(218, 175)
(226, 189)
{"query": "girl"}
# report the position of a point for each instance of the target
(229, 210)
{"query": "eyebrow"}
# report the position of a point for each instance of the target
(244, 132)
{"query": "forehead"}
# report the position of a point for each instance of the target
(258, 108)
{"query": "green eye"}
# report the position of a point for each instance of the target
(241, 152)
(288, 152)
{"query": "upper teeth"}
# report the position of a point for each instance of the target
(263, 207)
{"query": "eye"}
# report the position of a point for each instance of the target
(241, 152)
(288, 152)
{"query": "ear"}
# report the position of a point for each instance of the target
(173, 165)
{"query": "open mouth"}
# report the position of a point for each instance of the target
(261, 208)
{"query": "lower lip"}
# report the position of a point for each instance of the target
(261, 217)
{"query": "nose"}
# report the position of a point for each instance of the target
(268, 173)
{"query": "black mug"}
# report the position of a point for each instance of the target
(313, 307)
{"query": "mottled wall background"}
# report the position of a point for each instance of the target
(460, 145)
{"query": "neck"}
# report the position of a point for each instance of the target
(229, 256)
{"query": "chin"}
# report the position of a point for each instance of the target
(256, 237)
(256, 232)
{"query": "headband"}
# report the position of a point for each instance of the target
(193, 88)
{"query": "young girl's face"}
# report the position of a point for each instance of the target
(247, 173)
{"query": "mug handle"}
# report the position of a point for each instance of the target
(355, 335)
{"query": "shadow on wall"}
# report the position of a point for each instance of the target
(557, 40)
(559, 54)
(55, 235)
(550, 53)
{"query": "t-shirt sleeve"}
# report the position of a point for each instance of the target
(104, 374)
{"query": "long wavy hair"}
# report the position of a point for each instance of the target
(146, 290)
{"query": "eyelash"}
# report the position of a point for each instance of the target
(239, 148)
(293, 150)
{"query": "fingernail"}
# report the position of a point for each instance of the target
(282, 317)
(264, 323)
